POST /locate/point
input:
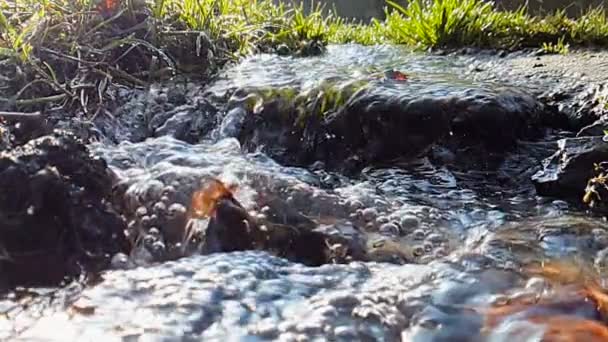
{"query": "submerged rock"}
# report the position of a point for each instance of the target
(284, 231)
(55, 217)
(565, 174)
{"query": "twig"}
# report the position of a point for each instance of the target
(59, 54)
(127, 76)
(20, 115)
(38, 100)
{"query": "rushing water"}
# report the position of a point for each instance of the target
(453, 240)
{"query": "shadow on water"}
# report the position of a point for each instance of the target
(452, 242)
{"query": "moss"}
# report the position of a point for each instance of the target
(299, 105)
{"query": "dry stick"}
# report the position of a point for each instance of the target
(34, 101)
(20, 115)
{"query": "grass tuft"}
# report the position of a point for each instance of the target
(67, 53)
(455, 23)
(558, 48)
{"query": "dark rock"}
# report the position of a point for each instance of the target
(375, 126)
(283, 50)
(290, 235)
(55, 216)
(585, 105)
(565, 174)
(595, 129)
(232, 124)
(187, 123)
(233, 227)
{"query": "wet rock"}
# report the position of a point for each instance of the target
(232, 124)
(283, 232)
(188, 122)
(565, 174)
(55, 216)
(587, 105)
(595, 129)
(377, 125)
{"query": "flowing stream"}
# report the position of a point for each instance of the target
(446, 239)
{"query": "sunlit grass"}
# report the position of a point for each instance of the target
(454, 23)
(64, 52)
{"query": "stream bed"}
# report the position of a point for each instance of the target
(452, 229)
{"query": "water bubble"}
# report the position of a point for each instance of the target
(389, 229)
(120, 261)
(177, 209)
(382, 220)
(159, 208)
(149, 239)
(409, 222)
(141, 212)
(158, 247)
(154, 232)
(168, 190)
(440, 252)
(369, 214)
(435, 238)
(418, 250)
(145, 221)
(419, 234)
(346, 332)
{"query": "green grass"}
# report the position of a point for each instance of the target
(64, 53)
(454, 23)
(558, 48)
